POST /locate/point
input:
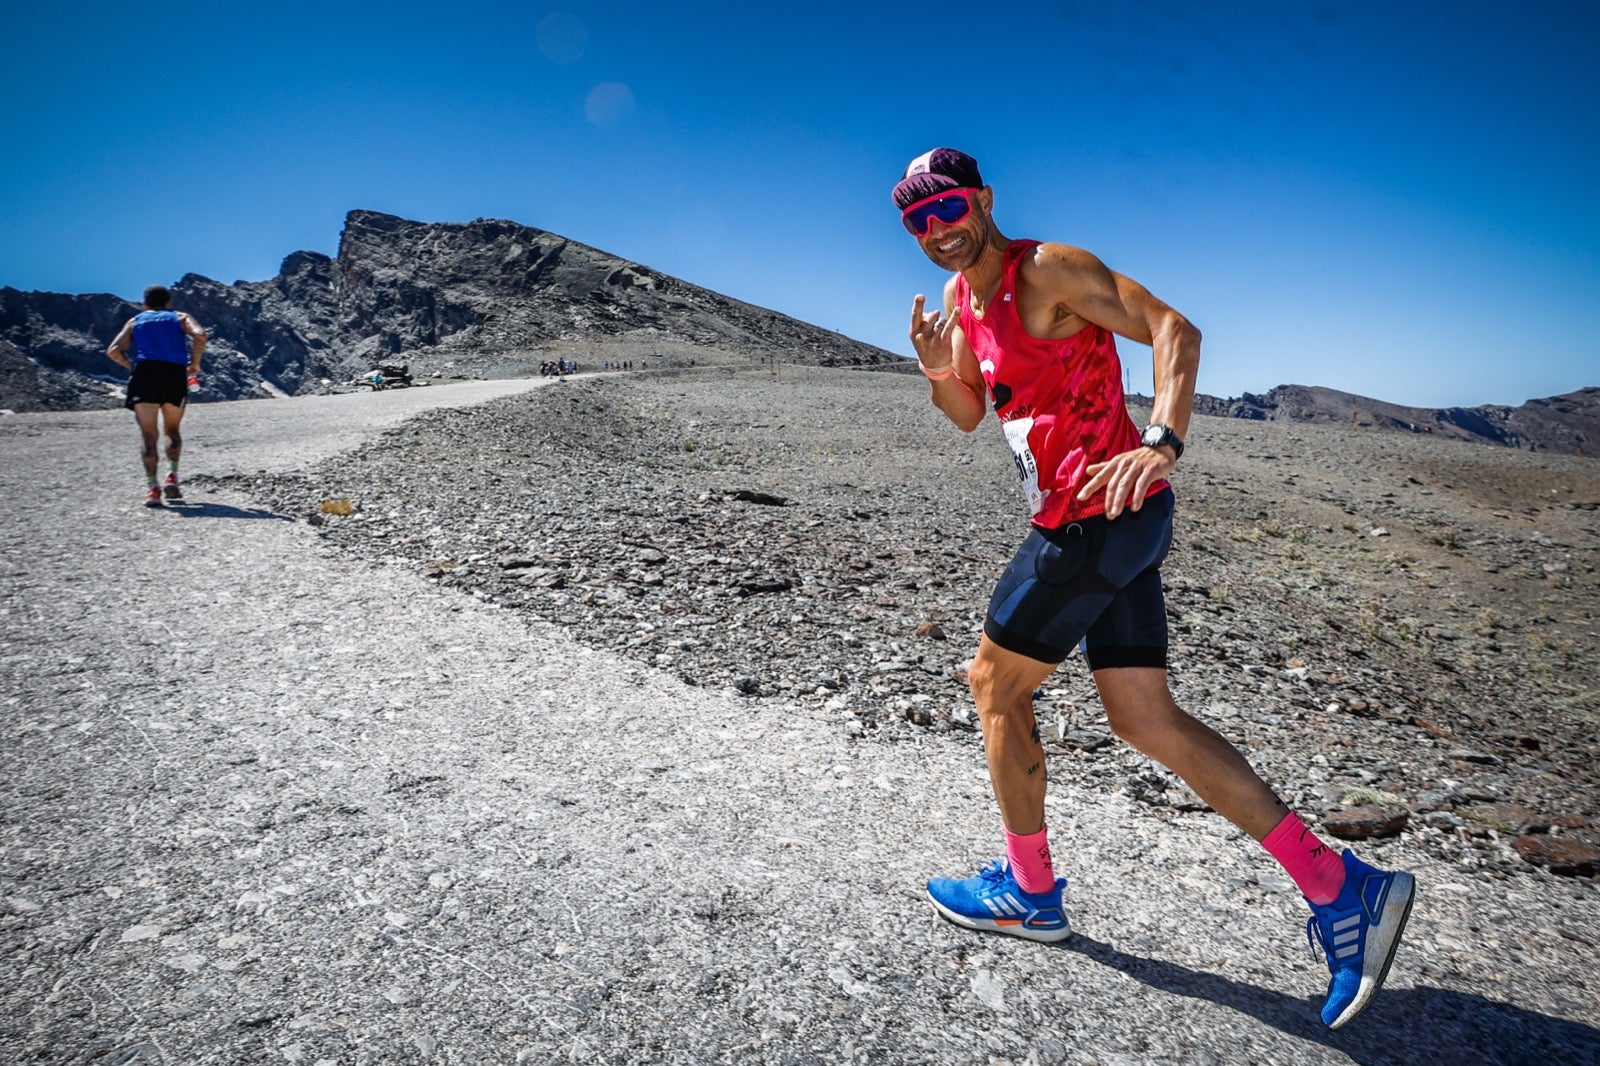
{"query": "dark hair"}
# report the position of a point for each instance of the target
(156, 297)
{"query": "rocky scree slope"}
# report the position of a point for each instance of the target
(478, 298)
(1404, 643)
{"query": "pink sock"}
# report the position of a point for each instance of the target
(1029, 859)
(1316, 868)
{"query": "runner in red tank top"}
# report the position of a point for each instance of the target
(1060, 401)
(1028, 326)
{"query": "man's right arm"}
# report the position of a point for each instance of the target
(943, 351)
(118, 348)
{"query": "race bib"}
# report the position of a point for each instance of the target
(1027, 467)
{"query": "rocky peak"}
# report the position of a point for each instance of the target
(416, 291)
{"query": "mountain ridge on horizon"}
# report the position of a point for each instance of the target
(445, 293)
(1568, 423)
(493, 297)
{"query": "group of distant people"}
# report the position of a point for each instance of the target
(562, 367)
(1028, 328)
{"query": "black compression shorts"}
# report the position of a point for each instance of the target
(1095, 582)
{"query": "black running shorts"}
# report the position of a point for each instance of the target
(1094, 582)
(158, 381)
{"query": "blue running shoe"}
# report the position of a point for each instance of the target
(1359, 933)
(994, 902)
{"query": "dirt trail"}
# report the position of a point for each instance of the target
(264, 803)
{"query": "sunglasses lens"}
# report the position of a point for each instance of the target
(951, 209)
(947, 209)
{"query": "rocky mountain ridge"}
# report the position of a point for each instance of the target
(481, 298)
(1568, 423)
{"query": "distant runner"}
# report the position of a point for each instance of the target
(1030, 326)
(163, 364)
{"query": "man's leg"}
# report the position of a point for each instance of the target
(1141, 710)
(1021, 897)
(1358, 911)
(172, 419)
(148, 416)
(1003, 684)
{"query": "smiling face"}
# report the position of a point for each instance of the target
(959, 244)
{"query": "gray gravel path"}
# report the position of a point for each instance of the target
(265, 803)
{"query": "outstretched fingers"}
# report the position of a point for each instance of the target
(931, 335)
(923, 323)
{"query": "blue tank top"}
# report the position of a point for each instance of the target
(158, 335)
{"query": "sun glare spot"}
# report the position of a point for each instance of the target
(608, 103)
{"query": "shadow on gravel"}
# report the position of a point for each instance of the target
(1419, 1026)
(222, 510)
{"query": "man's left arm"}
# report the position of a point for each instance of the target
(1127, 308)
(1176, 344)
(197, 344)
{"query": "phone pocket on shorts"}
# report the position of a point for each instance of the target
(1062, 555)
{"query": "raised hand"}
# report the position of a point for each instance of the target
(933, 336)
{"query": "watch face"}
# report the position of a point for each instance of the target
(1153, 435)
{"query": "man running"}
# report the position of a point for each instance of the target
(162, 365)
(1030, 326)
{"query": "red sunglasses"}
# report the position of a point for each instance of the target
(948, 207)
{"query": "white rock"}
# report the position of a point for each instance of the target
(989, 990)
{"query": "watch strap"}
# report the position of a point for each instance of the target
(1167, 436)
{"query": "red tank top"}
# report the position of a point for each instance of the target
(1059, 401)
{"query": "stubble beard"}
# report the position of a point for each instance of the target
(960, 257)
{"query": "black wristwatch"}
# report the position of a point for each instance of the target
(1155, 435)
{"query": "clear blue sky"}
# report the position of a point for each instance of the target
(1395, 199)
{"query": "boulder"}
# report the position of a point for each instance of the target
(1560, 855)
(1366, 823)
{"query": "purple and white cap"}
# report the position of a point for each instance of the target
(934, 172)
